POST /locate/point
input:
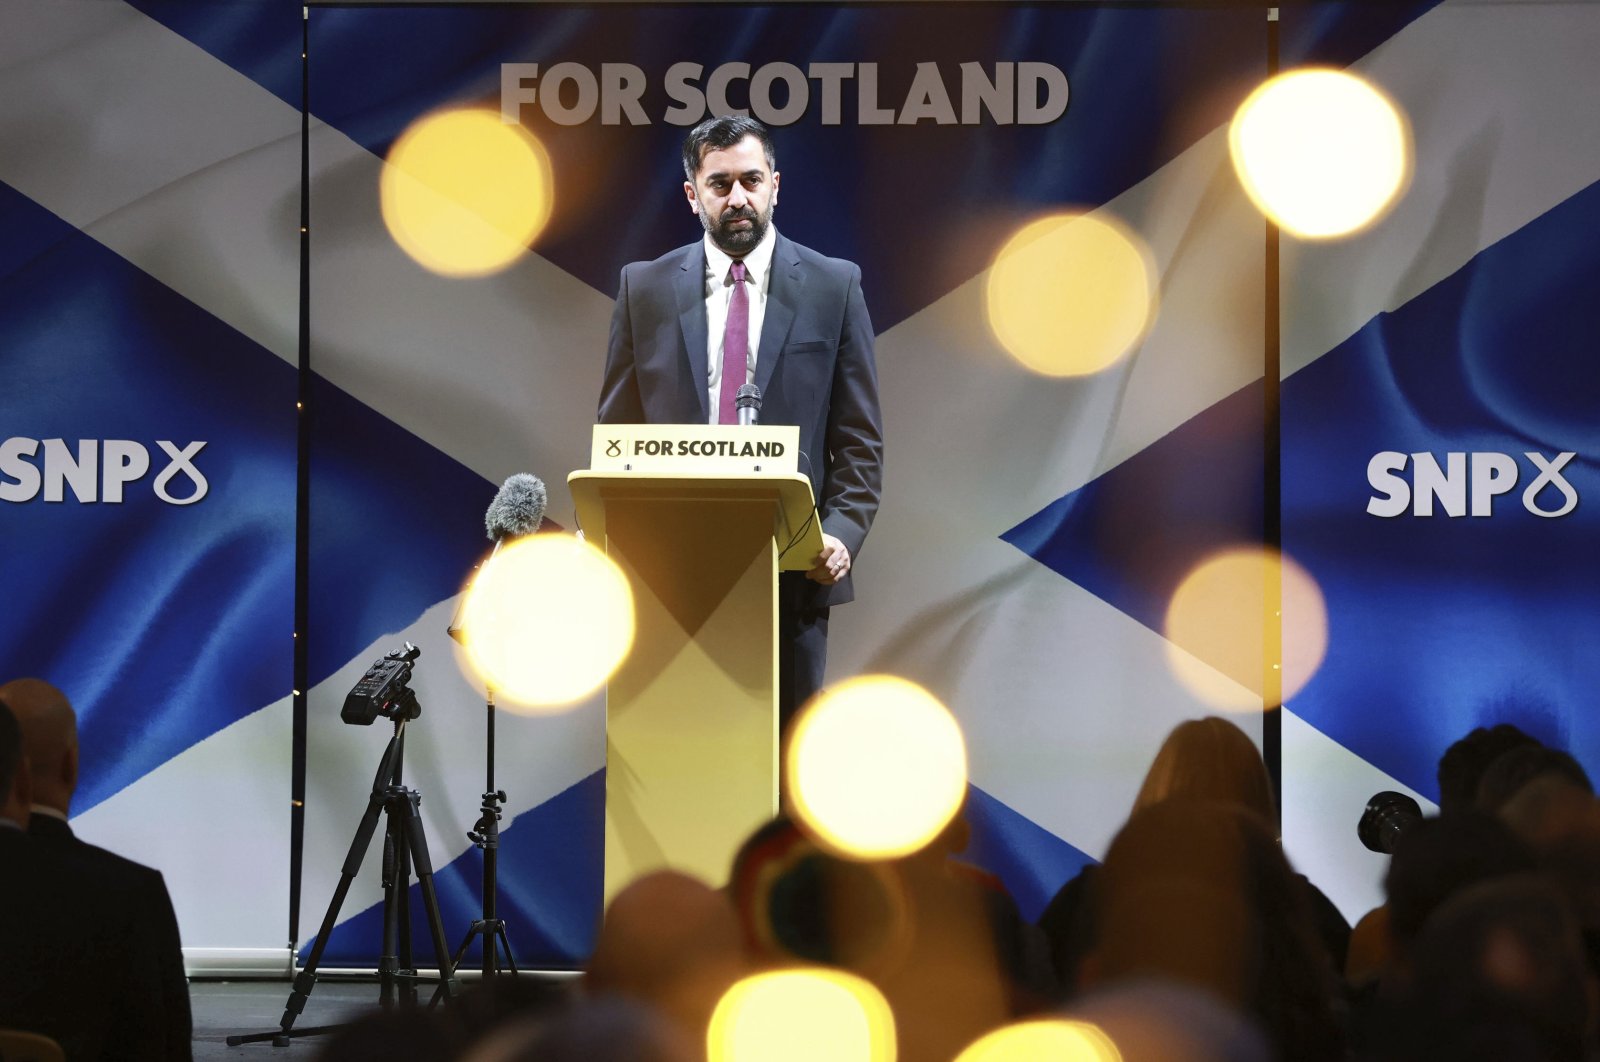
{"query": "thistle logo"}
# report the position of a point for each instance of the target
(1466, 483)
(98, 472)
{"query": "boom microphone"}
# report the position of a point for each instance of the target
(748, 401)
(517, 511)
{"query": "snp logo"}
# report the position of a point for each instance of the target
(97, 472)
(1467, 483)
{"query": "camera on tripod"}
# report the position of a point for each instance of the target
(384, 690)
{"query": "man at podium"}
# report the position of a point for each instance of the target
(745, 305)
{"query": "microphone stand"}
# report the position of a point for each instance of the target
(526, 505)
(485, 834)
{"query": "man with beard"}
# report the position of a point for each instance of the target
(745, 305)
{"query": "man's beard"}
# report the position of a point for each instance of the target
(737, 242)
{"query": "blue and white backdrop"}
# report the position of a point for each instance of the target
(150, 332)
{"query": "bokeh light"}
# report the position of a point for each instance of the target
(877, 768)
(1071, 294)
(1225, 632)
(1321, 152)
(1056, 1040)
(464, 193)
(547, 621)
(802, 1016)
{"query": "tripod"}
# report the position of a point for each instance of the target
(404, 844)
(485, 834)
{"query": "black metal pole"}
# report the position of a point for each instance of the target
(491, 859)
(302, 508)
(485, 834)
(1272, 494)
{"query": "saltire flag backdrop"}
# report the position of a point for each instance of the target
(149, 294)
(1033, 529)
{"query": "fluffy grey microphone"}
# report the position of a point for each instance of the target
(517, 510)
(748, 401)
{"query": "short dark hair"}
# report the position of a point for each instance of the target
(1504, 956)
(1512, 770)
(1439, 857)
(1462, 765)
(10, 750)
(715, 134)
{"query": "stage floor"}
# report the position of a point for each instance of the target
(222, 1008)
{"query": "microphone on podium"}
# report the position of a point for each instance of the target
(517, 511)
(748, 401)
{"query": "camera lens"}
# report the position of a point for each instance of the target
(1387, 817)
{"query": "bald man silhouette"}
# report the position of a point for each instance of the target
(50, 741)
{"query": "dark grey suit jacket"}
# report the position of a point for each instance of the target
(142, 893)
(814, 365)
(75, 958)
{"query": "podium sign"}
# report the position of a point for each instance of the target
(700, 449)
(700, 519)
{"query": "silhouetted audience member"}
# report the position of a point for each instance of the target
(1463, 763)
(1547, 809)
(1460, 773)
(1209, 759)
(918, 930)
(601, 1029)
(486, 1007)
(1020, 946)
(1497, 973)
(1561, 823)
(1434, 860)
(968, 911)
(1441, 856)
(1202, 761)
(386, 1036)
(1159, 1021)
(1512, 770)
(670, 941)
(73, 964)
(50, 738)
(1371, 949)
(1199, 894)
(498, 1011)
(796, 902)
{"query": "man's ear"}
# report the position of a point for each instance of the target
(775, 176)
(694, 200)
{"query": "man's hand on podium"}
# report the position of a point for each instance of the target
(832, 563)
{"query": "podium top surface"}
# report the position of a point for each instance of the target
(795, 526)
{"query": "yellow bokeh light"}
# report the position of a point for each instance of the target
(802, 1016)
(548, 620)
(464, 193)
(1321, 152)
(877, 768)
(1224, 631)
(1057, 1040)
(1071, 294)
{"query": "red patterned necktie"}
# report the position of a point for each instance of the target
(735, 348)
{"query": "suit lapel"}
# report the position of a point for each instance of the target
(691, 295)
(788, 286)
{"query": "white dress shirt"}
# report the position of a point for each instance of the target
(719, 293)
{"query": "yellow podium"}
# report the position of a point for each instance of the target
(701, 519)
